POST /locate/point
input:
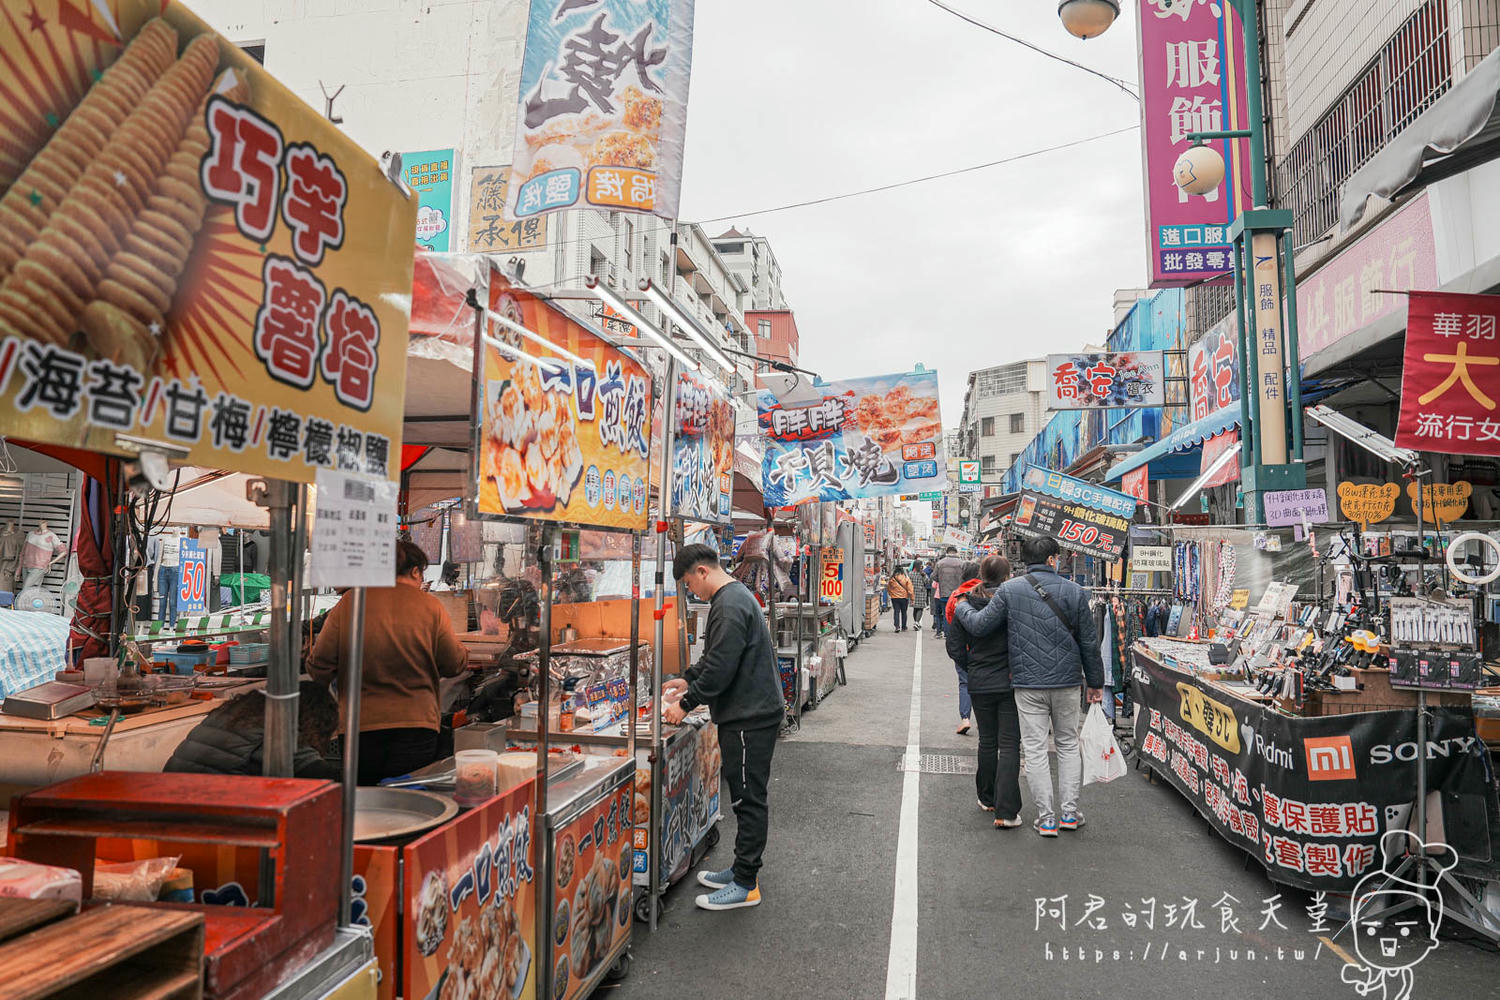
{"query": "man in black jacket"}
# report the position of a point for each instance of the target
(1054, 647)
(736, 678)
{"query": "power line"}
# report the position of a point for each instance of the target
(1035, 48)
(923, 180)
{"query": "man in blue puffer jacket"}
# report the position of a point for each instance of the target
(1054, 649)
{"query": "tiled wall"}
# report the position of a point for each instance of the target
(1328, 43)
(1480, 35)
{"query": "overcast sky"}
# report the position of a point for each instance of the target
(798, 99)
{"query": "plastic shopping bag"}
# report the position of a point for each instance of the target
(1102, 760)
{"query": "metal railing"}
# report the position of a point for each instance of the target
(1412, 70)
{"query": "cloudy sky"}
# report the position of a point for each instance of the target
(799, 99)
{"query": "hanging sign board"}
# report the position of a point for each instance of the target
(968, 475)
(1082, 517)
(353, 541)
(1151, 559)
(192, 256)
(1284, 507)
(1214, 369)
(832, 585)
(1450, 376)
(1105, 381)
(1368, 503)
(702, 450)
(1441, 502)
(558, 440)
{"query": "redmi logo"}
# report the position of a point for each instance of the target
(1329, 758)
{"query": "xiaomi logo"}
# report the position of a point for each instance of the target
(1329, 758)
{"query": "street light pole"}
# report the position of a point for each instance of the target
(1263, 255)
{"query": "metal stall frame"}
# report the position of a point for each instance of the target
(620, 958)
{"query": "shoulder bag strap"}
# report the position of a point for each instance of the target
(1052, 605)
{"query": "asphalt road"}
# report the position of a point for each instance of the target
(1144, 901)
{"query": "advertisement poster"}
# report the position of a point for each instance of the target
(831, 587)
(1309, 798)
(702, 450)
(1082, 517)
(1286, 507)
(592, 863)
(561, 440)
(190, 256)
(866, 437)
(489, 230)
(676, 811)
(1214, 369)
(1105, 381)
(469, 914)
(1450, 377)
(1213, 450)
(1368, 503)
(430, 176)
(375, 891)
(1192, 80)
(192, 586)
(604, 93)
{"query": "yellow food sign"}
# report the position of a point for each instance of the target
(1368, 503)
(1213, 719)
(1441, 502)
(191, 259)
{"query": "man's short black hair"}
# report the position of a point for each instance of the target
(1038, 550)
(951, 550)
(690, 556)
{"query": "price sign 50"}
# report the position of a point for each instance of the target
(192, 589)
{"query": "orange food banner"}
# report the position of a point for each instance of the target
(592, 858)
(191, 258)
(469, 923)
(565, 424)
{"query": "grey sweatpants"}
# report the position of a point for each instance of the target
(1054, 710)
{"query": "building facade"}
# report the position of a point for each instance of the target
(1004, 408)
(751, 257)
(775, 334)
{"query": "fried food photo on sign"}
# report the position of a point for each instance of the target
(96, 230)
(531, 448)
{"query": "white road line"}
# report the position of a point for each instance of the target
(901, 966)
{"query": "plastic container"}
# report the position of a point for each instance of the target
(475, 776)
(247, 653)
(183, 663)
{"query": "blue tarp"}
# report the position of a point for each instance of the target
(1183, 438)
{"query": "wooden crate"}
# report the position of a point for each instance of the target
(1375, 694)
(121, 951)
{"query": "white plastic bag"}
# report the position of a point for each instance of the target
(1102, 760)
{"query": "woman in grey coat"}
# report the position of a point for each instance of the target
(921, 594)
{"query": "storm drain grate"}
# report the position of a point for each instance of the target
(937, 763)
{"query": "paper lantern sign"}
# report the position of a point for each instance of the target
(1368, 503)
(1451, 499)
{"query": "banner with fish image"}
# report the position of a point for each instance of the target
(192, 260)
(564, 427)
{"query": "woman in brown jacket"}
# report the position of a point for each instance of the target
(901, 591)
(409, 645)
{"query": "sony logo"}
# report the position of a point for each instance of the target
(1457, 746)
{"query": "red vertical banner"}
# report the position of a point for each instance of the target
(1450, 378)
(1212, 449)
(1136, 484)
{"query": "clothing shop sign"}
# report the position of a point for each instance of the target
(1309, 798)
(1105, 381)
(1450, 377)
(1082, 517)
(1214, 369)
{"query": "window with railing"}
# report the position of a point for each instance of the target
(1412, 70)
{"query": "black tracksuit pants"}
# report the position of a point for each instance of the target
(746, 770)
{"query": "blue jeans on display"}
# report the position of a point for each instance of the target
(167, 591)
(965, 706)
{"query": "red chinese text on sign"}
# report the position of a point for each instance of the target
(314, 202)
(243, 167)
(352, 353)
(286, 327)
(1450, 377)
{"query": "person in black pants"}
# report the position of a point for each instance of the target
(987, 661)
(737, 679)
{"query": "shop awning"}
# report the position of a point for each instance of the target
(1166, 458)
(1461, 129)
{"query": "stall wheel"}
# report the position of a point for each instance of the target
(643, 914)
(620, 970)
(711, 838)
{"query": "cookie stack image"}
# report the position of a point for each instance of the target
(98, 228)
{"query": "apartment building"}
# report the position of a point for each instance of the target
(1004, 408)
